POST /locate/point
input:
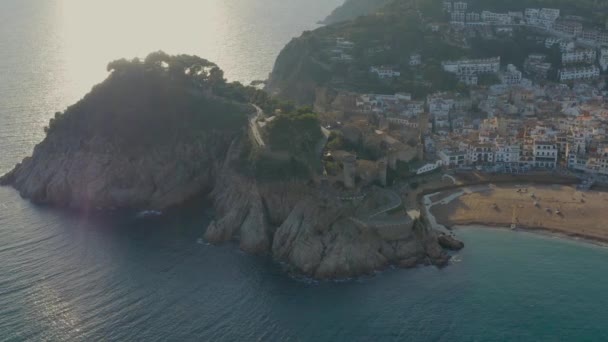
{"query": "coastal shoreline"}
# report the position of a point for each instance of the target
(546, 232)
(460, 207)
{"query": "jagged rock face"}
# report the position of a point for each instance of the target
(450, 243)
(95, 174)
(324, 244)
(311, 234)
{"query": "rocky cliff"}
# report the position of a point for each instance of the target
(148, 137)
(98, 174)
(312, 233)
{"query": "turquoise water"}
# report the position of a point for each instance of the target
(67, 277)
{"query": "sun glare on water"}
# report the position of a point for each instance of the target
(96, 32)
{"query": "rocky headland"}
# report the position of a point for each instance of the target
(314, 233)
(161, 131)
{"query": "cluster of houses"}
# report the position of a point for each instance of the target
(546, 18)
(525, 126)
(513, 126)
(342, 50)
(468, 70)
(583, 49)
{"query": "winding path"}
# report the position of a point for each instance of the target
(395, 202)
(253, 126)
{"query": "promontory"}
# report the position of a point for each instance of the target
(162, 130)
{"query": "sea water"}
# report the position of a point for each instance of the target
(91, 277)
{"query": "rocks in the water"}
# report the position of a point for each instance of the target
(448, 242)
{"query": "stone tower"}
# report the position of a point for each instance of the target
(350, 170)
(382, 165)
(423, 123)
(383, 125)
(420, 147)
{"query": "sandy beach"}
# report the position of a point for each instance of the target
(558, 209)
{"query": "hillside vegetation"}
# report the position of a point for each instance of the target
(390, 35)
(158, 100)
(386, 37)
(352, 9)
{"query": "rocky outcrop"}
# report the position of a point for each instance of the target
(449, 242)
(311, 233)
(148, 137)
(98, 175)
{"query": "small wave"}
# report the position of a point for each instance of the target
(148, 214)
(201, 241)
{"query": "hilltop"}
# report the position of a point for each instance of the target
(407, 41)
(146, 137)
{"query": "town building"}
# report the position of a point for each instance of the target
(511, 75)
(580, 73)
(544, 18)
(545, 154)
(507, 153)
(452, 158)
(415, 59)
(604, 58)
(473, 17)
(459, 6)
(472, 67)
(536, 66)
(495, 18)
(458, 17)
(568, 27)
(579, 56)
(384, 72)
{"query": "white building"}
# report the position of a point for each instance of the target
(429, 167)
(544, 18)
(511, 76)
(507, 153)
(585, 73)
(415, 59)
(385, 72)
(459, 6)
(344, 57)
(447, 6)
(545, 154)
(604, 59)
(571, 28)
(452, 158)
(549, 13)
(480, 153)
(579, 56)
(342, 43)
(495, 18)
(472, 66)
(473, 17)
(458, 17)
